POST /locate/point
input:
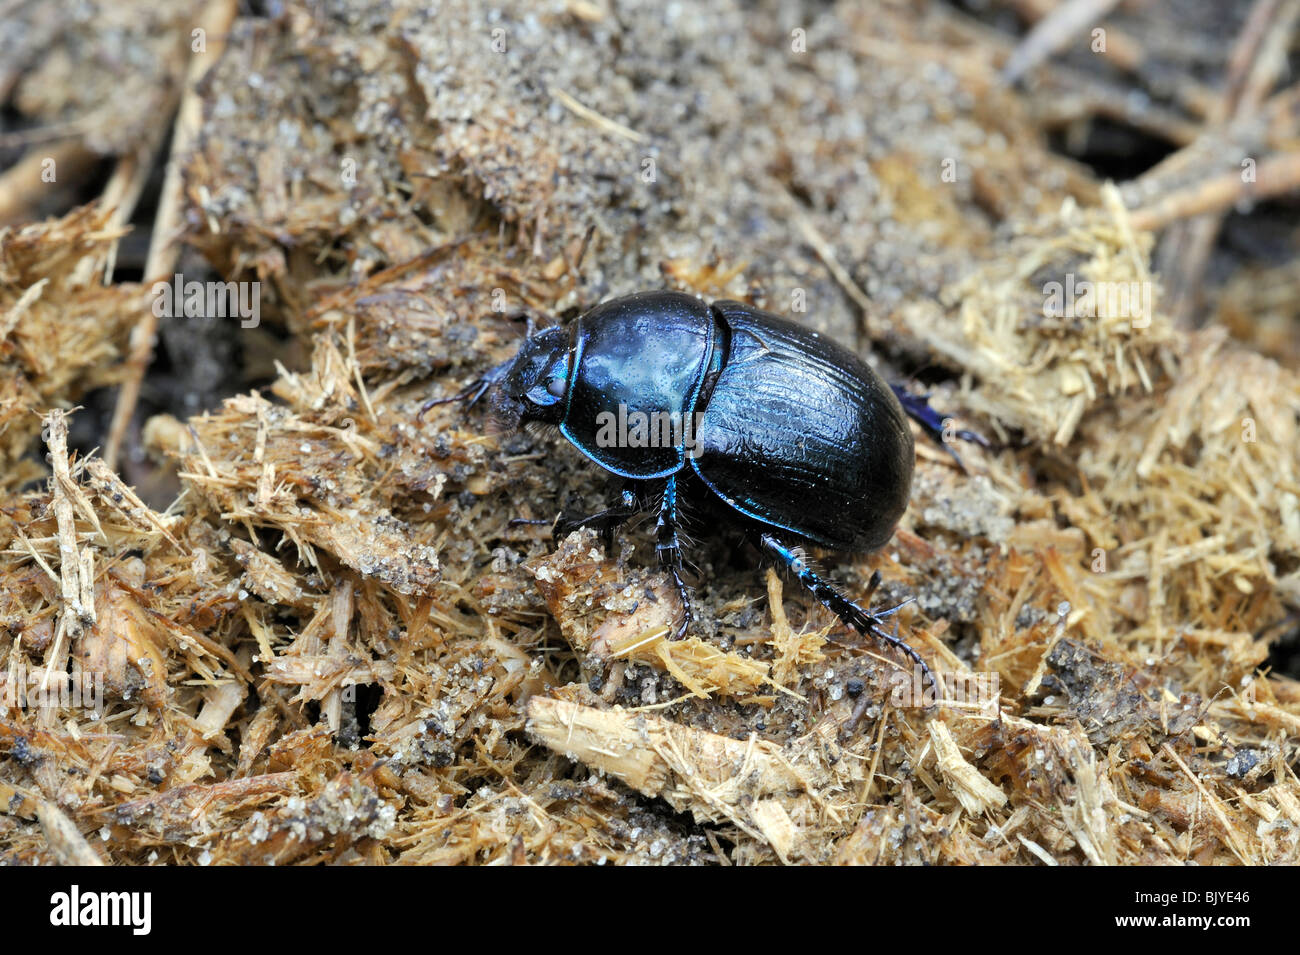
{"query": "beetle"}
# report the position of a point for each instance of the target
(798, 439)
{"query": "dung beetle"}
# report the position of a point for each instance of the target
(798, 438)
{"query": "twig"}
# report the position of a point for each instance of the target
(1094, 94)
(1257, 59)
(163, 244)
(1126, 53)
(1249, 75)
(126, 185)
(1229, 836)
(18, 197)
(1274, 176)
(120, 495)
(75, 616)
(838, 272)
(1052, 33)
(64, 838)
(51, 132)
(591, 116)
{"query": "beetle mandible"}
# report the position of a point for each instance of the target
(798, 437)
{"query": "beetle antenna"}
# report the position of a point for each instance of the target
(472, 392)
(529, 522)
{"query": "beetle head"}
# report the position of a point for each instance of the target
(534, 385)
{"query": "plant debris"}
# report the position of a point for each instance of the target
(304, 625)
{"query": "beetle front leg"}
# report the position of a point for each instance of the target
(605, 521)
(670, 552)
(863, 621)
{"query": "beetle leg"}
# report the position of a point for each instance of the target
(670, 552)
(934, 424)
(863, 621)
(606, 520)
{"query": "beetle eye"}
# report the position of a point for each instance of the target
(547, 393)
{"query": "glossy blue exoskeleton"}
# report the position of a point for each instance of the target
(798, 438)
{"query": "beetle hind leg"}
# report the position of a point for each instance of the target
(852, 614)
(934, 424)
(668, 547)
